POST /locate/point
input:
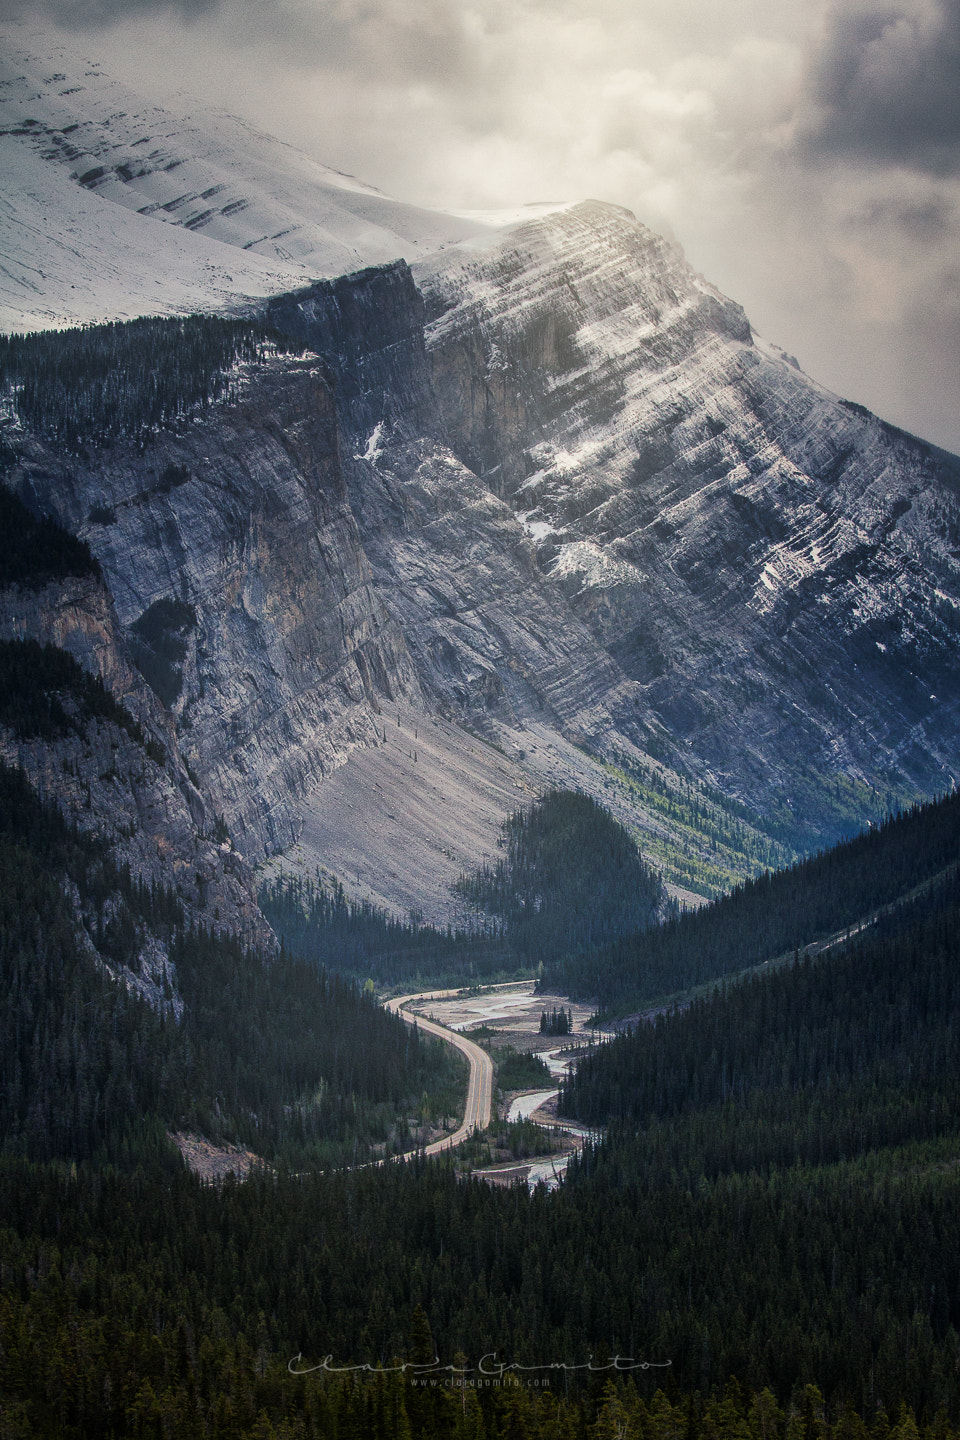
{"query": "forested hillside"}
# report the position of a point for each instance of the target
(34, 551)
(127, 1301)
(269, 1051)
(571, 877)
(775, 1200)
(44, 693)
(106, 382)
(767, 917)
(833, 1056)
(314, 919)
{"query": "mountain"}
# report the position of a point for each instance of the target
(342, 581)
(538, 510)
(771, 570)
(203, 213)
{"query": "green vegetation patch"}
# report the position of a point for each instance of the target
(519, 1070)
(712, 843)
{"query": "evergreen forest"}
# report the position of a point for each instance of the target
(762, 1243)
(571, 876)
(268, 1050)
(35, 550)
(570, 873)
(315, 919)
(768, 917)
(102, 383)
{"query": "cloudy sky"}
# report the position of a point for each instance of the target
(806, 153)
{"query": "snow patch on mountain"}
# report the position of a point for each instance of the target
(68, 259)
(113, 207)
(592, 567)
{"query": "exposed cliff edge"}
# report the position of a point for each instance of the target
(120, 776)
(772, 571)
(236, 570)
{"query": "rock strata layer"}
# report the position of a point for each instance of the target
(549, 488)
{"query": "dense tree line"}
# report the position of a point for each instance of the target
(845, 1276)
(79, 1071)
(309, 1069)
(45, 692)
(519, 1070)
(35, 550)
(869, 1033)
(270, 1051)
(571, 876)
(121, 380)
(768, 916)
(778, 1203)
(136, 1309)
(314, 918)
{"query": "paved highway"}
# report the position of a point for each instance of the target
(480, 1090)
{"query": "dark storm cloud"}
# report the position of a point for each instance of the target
(926, 221)
(885, 84)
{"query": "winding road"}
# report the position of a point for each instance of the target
(476, 1114)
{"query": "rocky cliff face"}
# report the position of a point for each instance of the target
(556, 493)
(238, 577)
(540, 342)
(771, 572)
(133, 790)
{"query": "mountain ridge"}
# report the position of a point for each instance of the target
(114, 207)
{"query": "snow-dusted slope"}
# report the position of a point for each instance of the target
(67, 259)
(111, 208)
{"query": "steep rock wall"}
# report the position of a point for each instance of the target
(112, 785)
(238, 576)
(771, 571)
(368, 330)
(584, 508)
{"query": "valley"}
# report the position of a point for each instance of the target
(439, 642)
(508, 1018)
